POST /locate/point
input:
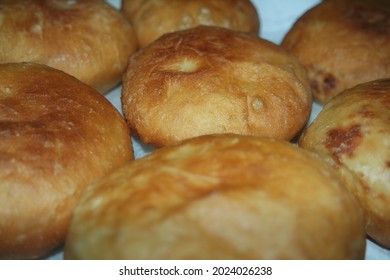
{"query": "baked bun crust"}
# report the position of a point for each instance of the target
(342, 43)
(153, 18)
(88, 39)
(219, 197)
(57, 135)
(210, 80)
(353, 132)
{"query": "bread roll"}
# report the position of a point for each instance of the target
(88, 39)
(342, 43)
(219, 197)
(153, 18)
(210, 80)
(353, 132)
(57, 135)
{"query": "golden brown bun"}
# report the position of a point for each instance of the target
(342, 43)
(219, 197)
(210, 80)
(153, 18)
(88, 39)
(57, 135)
(353, 132)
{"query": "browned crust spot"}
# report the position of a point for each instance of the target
(320, 80)
(343, 141)
(365, 113)
(369, 18)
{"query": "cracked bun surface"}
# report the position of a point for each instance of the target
(57, 135)
(353, 132)
(87, 39)
(219, 197)
(153, 18)
(210, 80)
(342, 43)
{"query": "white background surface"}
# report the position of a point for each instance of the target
(276, 17)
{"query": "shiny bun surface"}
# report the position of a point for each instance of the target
(353, 132)
(219, 197)
(210, 80)
(153, 18)
(57, 135)
(342, 43)
(88, 39)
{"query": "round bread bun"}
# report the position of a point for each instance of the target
(210, 80)
(353, 132)
(153, 18)
(342, 43)
(219, 197)
(88, 39)
(57, 135)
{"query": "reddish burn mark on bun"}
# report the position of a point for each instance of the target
(321, 80)
(388, 164)
(343, 141)
(365, 112)
(329, 82)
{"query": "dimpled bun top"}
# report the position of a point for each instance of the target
(342, 43)
(210, 80)
(88, 39)
(219, 197)
(57, 135)
(353, 132)
(153, 18)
